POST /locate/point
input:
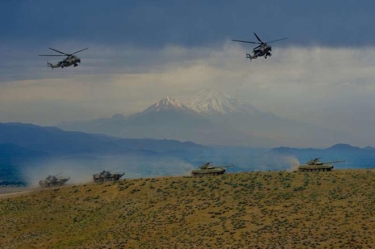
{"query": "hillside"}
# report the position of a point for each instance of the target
(257, 209)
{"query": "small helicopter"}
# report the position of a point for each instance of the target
(263, 49)
(71, 59)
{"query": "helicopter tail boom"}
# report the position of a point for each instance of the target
(51, 65)
(250, 57)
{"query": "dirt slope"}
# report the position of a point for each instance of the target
(246, 210)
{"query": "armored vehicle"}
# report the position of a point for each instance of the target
(53, 180)
(316, 165)
(209, 169)
(107, 176)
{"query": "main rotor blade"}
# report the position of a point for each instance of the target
(80, 50)
(258, 38)
(246, 41)
(58, 51)
(277, 40)
(51, 55)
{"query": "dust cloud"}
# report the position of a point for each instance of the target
(294, 163)
(80, 170)
(279, 162)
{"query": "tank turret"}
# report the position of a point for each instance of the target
(209, 169)
(316, 165)
(53, 180)
(107, 176)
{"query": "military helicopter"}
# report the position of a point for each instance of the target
(263, 49)
(71, 59)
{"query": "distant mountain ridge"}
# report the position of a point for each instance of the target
(55, 141)
(337, 147)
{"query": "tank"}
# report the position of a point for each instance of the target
(105, 176)
(53, 180)
(316, 165)
(209, 169)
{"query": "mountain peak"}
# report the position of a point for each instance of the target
(343, 147)
(212, 102)
(118, 117)
(167, 104)
(369, 148)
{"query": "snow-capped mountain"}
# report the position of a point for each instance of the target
(167, 104)
(213, 102)
(210, 117)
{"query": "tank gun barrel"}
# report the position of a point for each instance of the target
(339, 161)
(59, 174)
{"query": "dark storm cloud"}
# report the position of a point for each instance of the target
(187, 23)
(142, 51)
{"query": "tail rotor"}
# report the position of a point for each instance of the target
(250, 57)
(50, 65)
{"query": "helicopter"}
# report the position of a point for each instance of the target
(263, 49)
(71, 59)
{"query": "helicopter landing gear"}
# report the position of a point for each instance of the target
(266, 55)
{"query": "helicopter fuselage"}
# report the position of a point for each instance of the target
(262, 51)
(70, 59)
(259, 53)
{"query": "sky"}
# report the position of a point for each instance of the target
(142, 51)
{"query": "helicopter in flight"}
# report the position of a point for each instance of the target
(263, 49)
(70, 59)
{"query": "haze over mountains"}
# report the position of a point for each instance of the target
(212, 118)
(29, 153)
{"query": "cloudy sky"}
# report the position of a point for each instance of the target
(142, 51)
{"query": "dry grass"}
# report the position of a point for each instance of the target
(246, 210)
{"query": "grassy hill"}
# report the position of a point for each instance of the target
(257, 210)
